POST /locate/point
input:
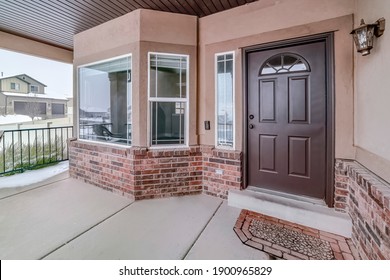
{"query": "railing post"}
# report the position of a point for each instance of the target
(21, 150)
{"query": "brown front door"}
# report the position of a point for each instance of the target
(286, 118)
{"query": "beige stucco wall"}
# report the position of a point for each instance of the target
(23, 45)
(372, 83)
(269, 21)
(138, 33)
(113, 38)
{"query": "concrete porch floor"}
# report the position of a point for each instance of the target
(63, 218)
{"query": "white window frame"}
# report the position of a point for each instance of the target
(216, 100)
(186, 100)
(78, 100)
(16, 86)
(31, 86)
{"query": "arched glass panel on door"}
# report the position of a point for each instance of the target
(284, 63)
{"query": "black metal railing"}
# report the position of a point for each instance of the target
(24, 149)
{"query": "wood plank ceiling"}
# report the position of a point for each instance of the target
(56, 21)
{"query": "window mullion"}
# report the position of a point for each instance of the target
(225, 98)
(180, 86)
(169, 113)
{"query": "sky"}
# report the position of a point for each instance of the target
(57, 76)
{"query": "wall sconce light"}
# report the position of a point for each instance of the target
(364, 35)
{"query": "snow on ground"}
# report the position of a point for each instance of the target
(9, 119)
(33, 176)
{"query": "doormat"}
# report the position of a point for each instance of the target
(285, 240)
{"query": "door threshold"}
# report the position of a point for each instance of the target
(293, 208)
(295, 197)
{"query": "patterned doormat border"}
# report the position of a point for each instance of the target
(285, 240)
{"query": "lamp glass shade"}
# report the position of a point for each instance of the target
(364, 37)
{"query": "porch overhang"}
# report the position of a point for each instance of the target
(56, 22)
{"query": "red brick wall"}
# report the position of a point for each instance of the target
(162, 173)
(341, 187)
(222, 171)
(368, 204)
(140, 173)
(107, 167)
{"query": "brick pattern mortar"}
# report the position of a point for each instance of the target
(107, 167)
(163, 173)
(367, 200)
(222, 171)
(140, 173)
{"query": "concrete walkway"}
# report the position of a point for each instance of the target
(67, 219)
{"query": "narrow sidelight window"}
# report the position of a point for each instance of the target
(168, 99)
(225, 100)
(105, 101)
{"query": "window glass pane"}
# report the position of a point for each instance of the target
(105, 101)
(276, 62)
(183, 83)
(229, 68)
(13, 86)
(225, 106)
(34, 88)
(299, 66)
(168, 76)
(268, 69)
(168, 119)
(168, 79)
(221, 67)
(283, 63)
(152, 83)
(152, 76)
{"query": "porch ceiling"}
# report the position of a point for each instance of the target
(56, 21)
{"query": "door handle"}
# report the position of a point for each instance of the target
(251, 126)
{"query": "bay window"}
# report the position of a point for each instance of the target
(105, 101)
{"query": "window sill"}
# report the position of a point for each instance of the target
(111, 144)
(168, 147)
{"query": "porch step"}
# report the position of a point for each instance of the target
(304, 211)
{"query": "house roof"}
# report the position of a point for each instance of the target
(56, 21)
(20, 78)
(33, 95)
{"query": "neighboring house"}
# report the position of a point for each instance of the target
(22, 94)
(267, 105)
